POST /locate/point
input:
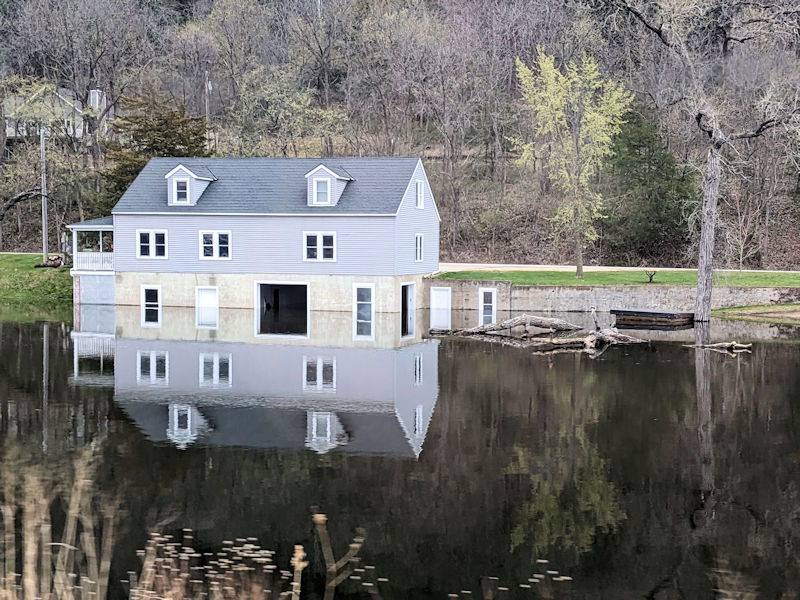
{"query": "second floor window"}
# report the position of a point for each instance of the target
(215, 244)
(418, 248)
(319, 246)
(151, 244)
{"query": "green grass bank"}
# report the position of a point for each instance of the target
(726, 278)
(25, 290)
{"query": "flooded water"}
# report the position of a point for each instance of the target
(654, 471)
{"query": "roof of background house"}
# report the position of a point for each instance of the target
(273, 186)
(101, 224)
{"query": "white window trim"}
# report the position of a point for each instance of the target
(480, 304)
(197, 306)
(419, 250)
(152, 379)
(152, 233)
(142, 289)
(318, 361)
(215, 243)
(371, 336)
(314, 181)
(188, 191)
(257, 310)
(319, 235)
(215, 356)
(419, 200)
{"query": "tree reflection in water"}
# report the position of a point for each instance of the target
(654, 471)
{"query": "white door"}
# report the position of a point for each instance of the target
(487, 306)
(207, 308)
(440, 307)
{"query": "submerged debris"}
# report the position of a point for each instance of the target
(542, 335)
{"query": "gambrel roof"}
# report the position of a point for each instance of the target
(273, 186)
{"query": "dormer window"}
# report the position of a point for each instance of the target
(185, 187)
(322, 191)
(181, 191)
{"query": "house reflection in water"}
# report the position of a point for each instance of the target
(289, 393)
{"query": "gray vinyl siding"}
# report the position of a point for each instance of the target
(411, 221)
(259, 244)
(196, 189)
(275, 372)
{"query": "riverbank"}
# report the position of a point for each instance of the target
(26, 289)
(628, 277)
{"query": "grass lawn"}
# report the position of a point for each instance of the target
(24, 289)
(753, 279)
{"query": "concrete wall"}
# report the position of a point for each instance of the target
(580, 298)
(326, 292)
(333, 329)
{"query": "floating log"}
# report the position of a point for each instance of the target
(502, 333)
(546, 324)
(729, 346)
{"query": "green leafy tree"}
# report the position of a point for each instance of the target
(151, 126)
(576, 114)
(646, 192)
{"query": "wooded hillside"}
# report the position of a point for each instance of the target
(549, 128)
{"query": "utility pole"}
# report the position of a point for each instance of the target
(44, 195)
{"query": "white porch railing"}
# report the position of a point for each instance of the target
(93, 261)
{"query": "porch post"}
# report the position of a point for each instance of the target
(74, 244)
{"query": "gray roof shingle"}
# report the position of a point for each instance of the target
(273, 185)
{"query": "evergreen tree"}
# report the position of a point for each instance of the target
(646, 192)
(151, 126)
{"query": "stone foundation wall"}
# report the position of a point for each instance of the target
(579, 298)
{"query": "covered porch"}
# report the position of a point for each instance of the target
(93, 245)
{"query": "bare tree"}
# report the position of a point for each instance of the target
(734, 76)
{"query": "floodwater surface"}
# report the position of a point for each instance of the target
(655, 470)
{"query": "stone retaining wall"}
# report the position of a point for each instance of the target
(578, 298)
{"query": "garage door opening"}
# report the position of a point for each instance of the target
(283, 309)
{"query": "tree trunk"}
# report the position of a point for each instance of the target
(578, 252)
(705, 258)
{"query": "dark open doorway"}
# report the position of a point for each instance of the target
(407, 309)
(283, 309)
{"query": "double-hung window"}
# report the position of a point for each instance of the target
(418, 247)
(152, 367)
(215, 370)
(364, 311)
(322, 191)
(181, 191)
(420, 198)
(150, 304)
(319, 374)
(215, 245)
(151, 244)
(319, 246)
